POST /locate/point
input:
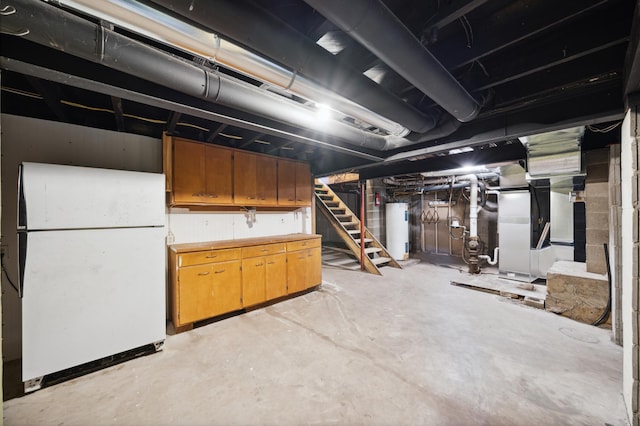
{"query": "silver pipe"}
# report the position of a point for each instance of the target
(154, 24)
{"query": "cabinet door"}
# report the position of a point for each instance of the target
(195, 293)
(253, 281)
(286, 183)
(244, 179)
(188, 172)
(219, 167)
(303, 184)
(314, 267)
(296, 271)
(227, 287)
(266, 181)
(276, 275)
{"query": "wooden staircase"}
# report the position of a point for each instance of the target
(347, 225)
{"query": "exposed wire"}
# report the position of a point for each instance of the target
(230, 136)
(21, 92)
(4, 270)
(470, 28)
(605, 129)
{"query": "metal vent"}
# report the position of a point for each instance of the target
(554, 153)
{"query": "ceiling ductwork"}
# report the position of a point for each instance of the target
(78, 37)
(376, 28)
(149, 22)
(274, 38)
(554, 153)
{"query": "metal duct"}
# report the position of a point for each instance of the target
(152, 23)
(61, 30)
(274, 38)
(374, 26)
(554, 153)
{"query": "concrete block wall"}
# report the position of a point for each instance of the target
(597, 209)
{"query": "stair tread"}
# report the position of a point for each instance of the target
(380, 260)
(349, 223)
(344, 261)
(366, 240)
(353, 231)
(372, 250)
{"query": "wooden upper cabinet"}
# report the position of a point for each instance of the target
(188, 172)
(286, 183)
(303, 184)
(218, 175)
(255, 179)
(204, 174)
(244, 178)
(266, 181)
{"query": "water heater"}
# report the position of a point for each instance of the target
(398, 230)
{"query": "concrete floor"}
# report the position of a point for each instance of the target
(406, 348)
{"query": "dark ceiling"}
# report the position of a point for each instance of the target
(529, 66)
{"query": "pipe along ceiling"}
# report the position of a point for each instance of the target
(79, 37)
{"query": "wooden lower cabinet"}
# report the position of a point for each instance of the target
(302, 271)
(211, 279)
(208, 290)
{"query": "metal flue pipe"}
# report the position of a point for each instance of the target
(156, 25)
(473, 204)
(374, 26)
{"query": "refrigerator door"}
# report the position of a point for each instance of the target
(70, 197)
(89, 294)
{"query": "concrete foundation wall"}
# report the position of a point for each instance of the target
(27, 139)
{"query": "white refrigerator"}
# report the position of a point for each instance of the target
(92, 265)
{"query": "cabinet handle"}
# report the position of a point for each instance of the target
(199, 194)
(259, 264)
(309, 254)
(203, 273)
(211, 256)
(251, 198)
(304, 244)
(263, 250)
(212, 195)
(271, 263)
(219, 271)
(290, 199)
(262, 198)
(300, 257)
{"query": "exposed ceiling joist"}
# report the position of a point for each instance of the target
(450, 12)
(50, 96)
(118, 113)
(215, 132)
(506, 29)
(146, 99)
(632, 60)
(174, 117)
(251, 140)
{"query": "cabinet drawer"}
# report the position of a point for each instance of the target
(263, 250)
(210, 256)
(304, 244)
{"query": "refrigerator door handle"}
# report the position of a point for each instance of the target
(22, 261)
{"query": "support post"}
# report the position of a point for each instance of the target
(362, 207)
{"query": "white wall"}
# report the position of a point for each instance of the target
(27, 139)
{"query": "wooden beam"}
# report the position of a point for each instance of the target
(172, 121)
(211, 136)
(51, 97)
(118, 112)
(251, 140)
